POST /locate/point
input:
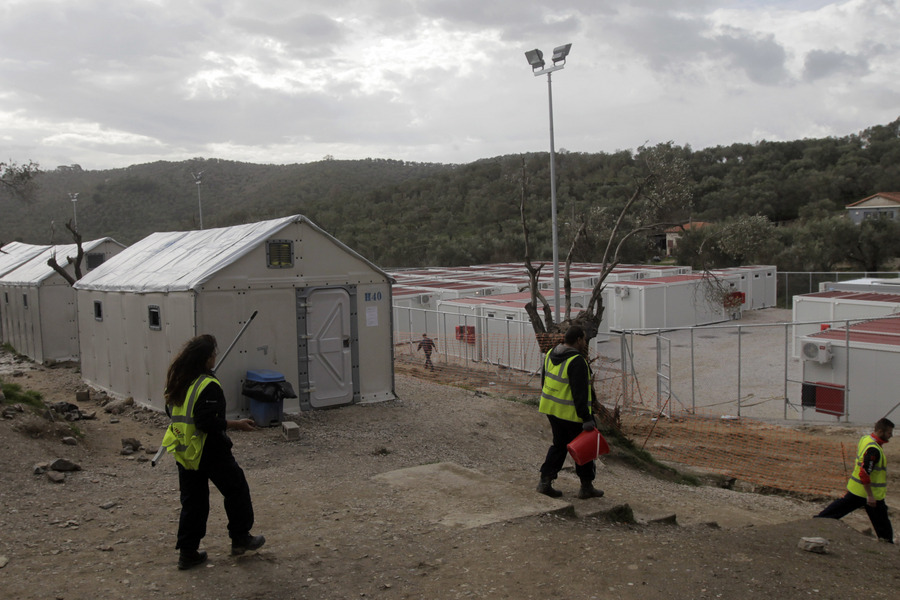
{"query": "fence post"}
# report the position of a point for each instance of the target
(739, 372)
(847, 373)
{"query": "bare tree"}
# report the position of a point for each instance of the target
(19, 181)
(660, 198)
(76, 262)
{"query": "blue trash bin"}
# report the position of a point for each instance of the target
(266, 391)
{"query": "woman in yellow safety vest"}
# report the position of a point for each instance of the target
(196, 437)
(868, 483)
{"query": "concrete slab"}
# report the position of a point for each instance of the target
(451, 495)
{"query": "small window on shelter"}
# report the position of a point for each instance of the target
(94, 260)
(280, 254)
(6, 297)
(154, 318)
(25, 300)
(98, 310)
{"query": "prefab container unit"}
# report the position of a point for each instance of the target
(666, 302)
(497, 329)
(13, 255)
(812, 311)
(761, 286)
(859, 393)
(39, 316)
(866, 284)
(323, 314)
(413, 313)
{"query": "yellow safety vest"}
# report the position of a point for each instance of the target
(182, 438)
(878, 476)
(556, 395)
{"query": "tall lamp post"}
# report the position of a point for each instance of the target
(198, 179)
(74, 198)
(536, 60)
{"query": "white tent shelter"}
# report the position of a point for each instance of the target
(13, 255)
(39, 316)
(324, 313)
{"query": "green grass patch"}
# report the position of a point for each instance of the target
(14, 394)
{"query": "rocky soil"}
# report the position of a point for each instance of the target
(335, 531)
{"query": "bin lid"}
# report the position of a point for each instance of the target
(264, 375)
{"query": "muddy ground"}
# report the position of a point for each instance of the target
(337, 528)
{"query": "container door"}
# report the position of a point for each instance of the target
(325, 347)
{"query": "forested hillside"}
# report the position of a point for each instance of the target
(413, 214)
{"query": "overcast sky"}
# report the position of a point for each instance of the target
(110, 83)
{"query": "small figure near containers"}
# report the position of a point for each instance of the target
(428, 346)
(196, 404)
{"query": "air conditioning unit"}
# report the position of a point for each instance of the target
(621, 291)
(817, 351)
(424, 299)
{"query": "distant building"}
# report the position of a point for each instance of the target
(673, 234)
(884, 205)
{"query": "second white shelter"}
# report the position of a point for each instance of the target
(39, 315)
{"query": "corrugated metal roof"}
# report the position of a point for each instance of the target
(878, 331)
(14, 254)
(857, 296)
(37, 270)
(184, 260)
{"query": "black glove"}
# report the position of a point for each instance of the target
(588, 425)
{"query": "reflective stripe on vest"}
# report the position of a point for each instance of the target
(556, 394)
(878, 476)
(182, 438)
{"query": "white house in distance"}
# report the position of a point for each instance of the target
(39, 315)
(324, 313)
(884, 205)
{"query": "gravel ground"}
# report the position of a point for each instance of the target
(335, 532)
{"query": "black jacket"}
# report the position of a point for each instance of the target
(209, 417)
(579, 377)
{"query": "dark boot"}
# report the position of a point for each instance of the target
(589, 491)
(251, 542)
(546, 487)
(190, 558)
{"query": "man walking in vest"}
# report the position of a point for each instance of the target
(566, 400)
(868, 482)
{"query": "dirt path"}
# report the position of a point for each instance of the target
(334, 530)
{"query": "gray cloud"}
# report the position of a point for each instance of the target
(821, 63)
(762, 58)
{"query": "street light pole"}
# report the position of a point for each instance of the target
(198, 179)
(74, 198)
(536, 60)
(553, 202)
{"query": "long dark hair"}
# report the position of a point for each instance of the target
(187, 366)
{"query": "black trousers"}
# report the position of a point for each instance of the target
(563, 433)
(878, 514)
(228, 477)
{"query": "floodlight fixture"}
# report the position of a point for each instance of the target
(560, 53)
(535, 59)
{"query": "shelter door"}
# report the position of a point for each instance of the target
(328, 347)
